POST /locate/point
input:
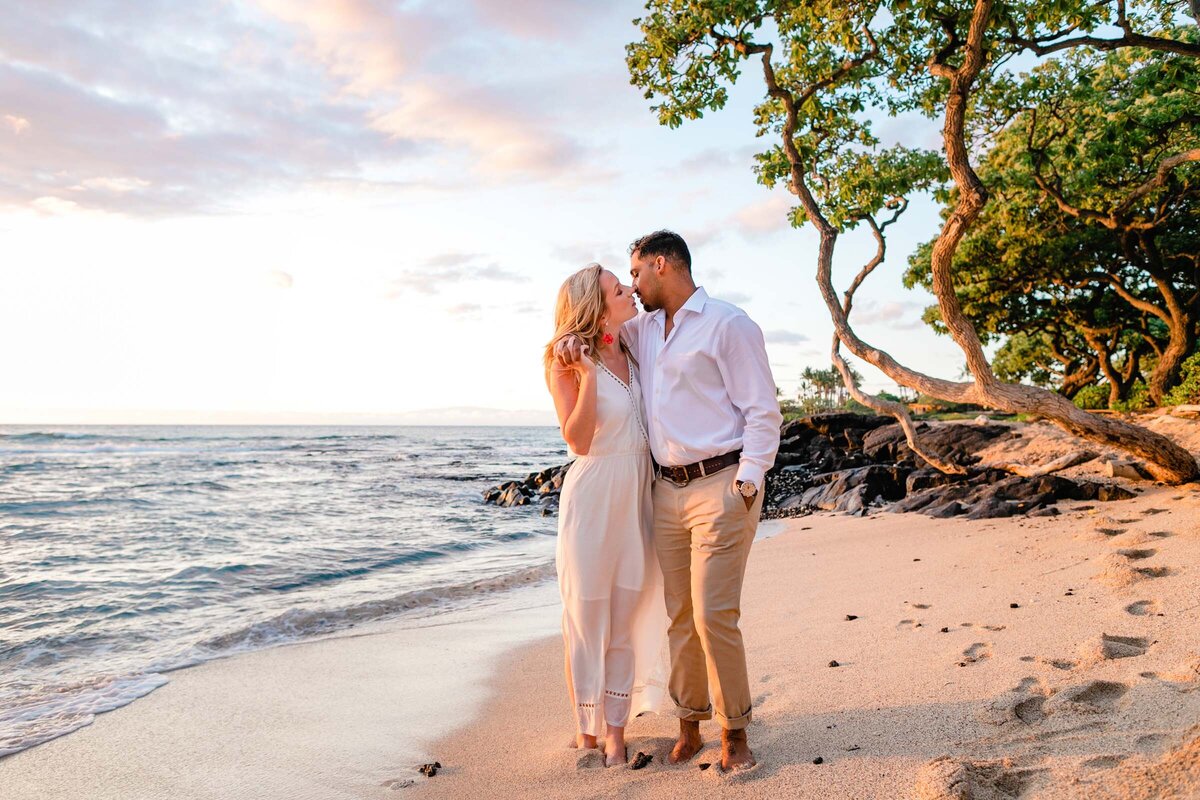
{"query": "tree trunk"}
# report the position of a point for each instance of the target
(1075, 380)
(1168, 461)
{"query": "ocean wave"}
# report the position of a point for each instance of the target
(304, 622)
(48, 711)
(36, 508)
(408, 557)
(48, 436)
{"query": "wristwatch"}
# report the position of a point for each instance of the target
(747, 488)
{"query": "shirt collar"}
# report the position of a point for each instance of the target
(694, 304)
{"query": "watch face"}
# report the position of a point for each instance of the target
(748, 489)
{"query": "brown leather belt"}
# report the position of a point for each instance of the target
(681, 476)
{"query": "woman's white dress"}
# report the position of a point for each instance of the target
(614, 616)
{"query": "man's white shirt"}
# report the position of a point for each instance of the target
(707, 386)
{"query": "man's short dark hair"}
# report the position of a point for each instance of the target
(664, 243)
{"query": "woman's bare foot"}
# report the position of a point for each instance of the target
(735, 752)
(615, 752)
(585, 742)
(688, 743)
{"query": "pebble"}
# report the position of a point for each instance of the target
(944, 630)
(1013, 605)
(834, 664)
(851, 617)
(705, 766)
(818, 760)
(641, 760)
(429, 770)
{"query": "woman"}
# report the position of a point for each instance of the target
(614, 617)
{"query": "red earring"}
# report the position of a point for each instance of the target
(608, 338)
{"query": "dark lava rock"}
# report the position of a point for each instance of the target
(854, 463)
(818, 760)
(641, 760)
(429, 770)
(834, 664)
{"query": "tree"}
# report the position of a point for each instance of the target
(1093, 232)
(824, 65)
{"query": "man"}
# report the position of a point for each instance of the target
(710, 404)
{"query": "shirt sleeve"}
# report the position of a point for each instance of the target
(742, 359)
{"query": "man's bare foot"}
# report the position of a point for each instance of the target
(735, 752)
(688, 743)
(585, 742)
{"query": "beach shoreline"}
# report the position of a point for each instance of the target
(1048, 657)
(1006, 658)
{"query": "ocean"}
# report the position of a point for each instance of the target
(130, 551)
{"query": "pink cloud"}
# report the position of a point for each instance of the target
(764, 217)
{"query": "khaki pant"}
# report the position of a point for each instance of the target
(703, 534)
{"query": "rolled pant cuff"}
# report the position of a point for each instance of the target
(691, 715)
(735, 723)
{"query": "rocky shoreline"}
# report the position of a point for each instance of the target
(855, 464)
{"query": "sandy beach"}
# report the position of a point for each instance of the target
(1050, 657)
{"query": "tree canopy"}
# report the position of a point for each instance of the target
(829, 69)
(1085, 261)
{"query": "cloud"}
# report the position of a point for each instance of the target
(17, 125)
(451, 259)
(206, 105)
(898, 315)
(545, 19)
(198, 106)
(464, 309)
(765, 217)
(737, 298)
(714, 158)
(431, 280)
(784, 337)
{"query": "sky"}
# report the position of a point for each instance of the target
(359, 211)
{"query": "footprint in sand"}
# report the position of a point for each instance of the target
(1152, 742)
(1150, 512)
(949, 778)
(591, 758)
(1091, 697)
(907, 625)
(1161, 534)
(1111, 531)
(921, 606)
(1185, 675)
(1022, 703)
(1119, 571)
(398, 783)
(1109, 647)
(1142, 608)
(1104, 762)
(1137, 554)
(977, 652)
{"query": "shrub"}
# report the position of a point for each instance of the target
(1138, 399)
(1092, 397)
(1188, 389)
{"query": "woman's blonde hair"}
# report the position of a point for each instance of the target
(578, 311)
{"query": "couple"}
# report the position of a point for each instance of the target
(688, 383)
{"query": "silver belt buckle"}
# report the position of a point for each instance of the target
(671, 476)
